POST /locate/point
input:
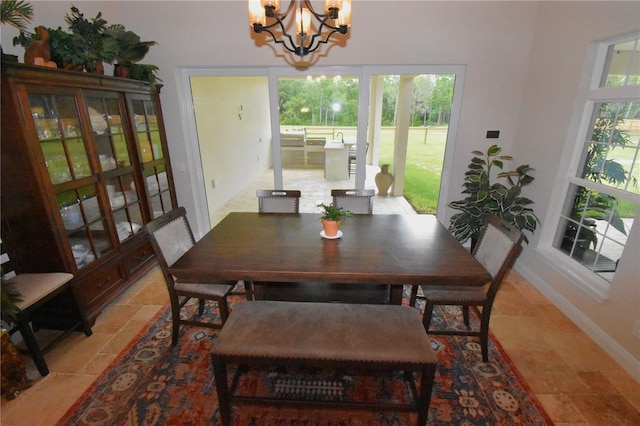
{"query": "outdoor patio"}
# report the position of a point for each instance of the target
(315, 189)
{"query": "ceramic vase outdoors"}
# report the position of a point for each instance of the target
(384, 179)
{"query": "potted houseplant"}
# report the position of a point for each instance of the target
(9, 296)
(14, 375)
(486, 196)
(130, 50)
(99, 46)
(67, 50)
(332, 218)
(18, 14)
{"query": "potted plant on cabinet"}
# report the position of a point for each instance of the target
(89, 44)
(99, 46)
(332, 218)
(486, 196)
(130, 50)
(18, 14)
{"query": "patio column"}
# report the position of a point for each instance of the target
(375, 119)
(403, 114)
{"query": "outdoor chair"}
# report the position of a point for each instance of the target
(358, 201)
(497, 248)
(171, 237)
(278, 201)
(352, 159)
(36, 291)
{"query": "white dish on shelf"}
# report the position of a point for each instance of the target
(117, 200)
(79, 252)
(335, 237)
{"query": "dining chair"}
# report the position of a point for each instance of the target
(278, 201)
(497, 248)
(358, 201)
(37, 293)
(171, 237)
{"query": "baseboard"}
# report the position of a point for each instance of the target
(610, 346)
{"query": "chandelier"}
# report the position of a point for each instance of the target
(265, 15)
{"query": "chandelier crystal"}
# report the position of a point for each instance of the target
(265, 16)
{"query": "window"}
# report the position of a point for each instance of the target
(602, 195)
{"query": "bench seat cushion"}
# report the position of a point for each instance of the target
(325, 332)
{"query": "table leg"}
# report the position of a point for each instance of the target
(396, 294)
(220, 375)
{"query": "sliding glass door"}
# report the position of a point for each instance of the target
(333, 126)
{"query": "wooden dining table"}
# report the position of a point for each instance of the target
(288, 248)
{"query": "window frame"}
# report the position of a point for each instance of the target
(579, 127)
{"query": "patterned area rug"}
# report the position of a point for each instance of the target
(152, 383)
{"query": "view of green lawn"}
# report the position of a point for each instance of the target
(425, 154)
(424, 167)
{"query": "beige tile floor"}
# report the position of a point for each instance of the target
(576, 381)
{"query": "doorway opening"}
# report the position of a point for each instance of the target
(410, 123)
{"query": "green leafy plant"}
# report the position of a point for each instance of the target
(68, 50)
(16, 13)
(98, 44)
(9, 296)
(492, 197)
(90, 42)
(331, 212)
(130, 48)
(144, 72)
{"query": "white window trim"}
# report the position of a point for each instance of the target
(589, 94)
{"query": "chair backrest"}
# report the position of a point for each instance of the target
(171, 237)
(278, 201)
(7, 268)
(497, 248)
(357, 201)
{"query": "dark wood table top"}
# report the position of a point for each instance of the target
(379, 248)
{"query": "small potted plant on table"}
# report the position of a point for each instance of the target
(332, 218)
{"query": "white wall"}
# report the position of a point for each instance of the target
(492, 38)
(554, 81)
(523, 63)
(232, 119)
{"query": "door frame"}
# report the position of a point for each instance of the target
(364, 73)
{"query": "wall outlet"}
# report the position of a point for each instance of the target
(636, 328)
(214, 183)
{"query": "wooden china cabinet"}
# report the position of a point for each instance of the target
(84, 165)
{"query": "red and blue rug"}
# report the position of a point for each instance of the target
(152, 383)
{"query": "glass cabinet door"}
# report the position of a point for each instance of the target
(64, 148)
(84, 223)
(118, 174)
(153, 157)
(58, 127)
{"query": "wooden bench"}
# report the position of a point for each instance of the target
(324, 335)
